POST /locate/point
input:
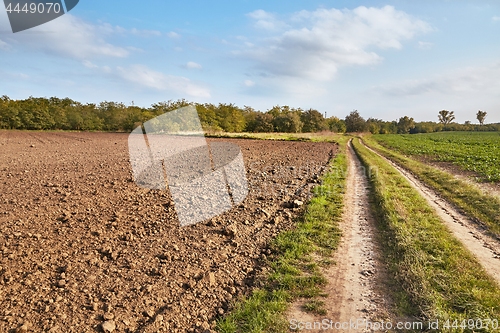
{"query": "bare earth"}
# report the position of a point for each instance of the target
(482, 246)
(355, 282)
(83, 249)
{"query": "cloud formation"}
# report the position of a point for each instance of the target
(424, 45)
(317, 43)
(68, 36)
(193, 65)
(3, 45)
(249, 83)
(146, 77)
(173, 35)
(266, 21)
(461, 82)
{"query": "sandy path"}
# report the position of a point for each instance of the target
(354, 291)
(482, 246)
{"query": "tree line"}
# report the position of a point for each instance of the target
(66, 114)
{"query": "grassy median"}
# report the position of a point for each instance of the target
(441, 279)
(483, 208)
(298, 255)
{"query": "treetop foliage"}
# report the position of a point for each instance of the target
(66, 114)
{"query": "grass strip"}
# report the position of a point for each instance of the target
(315, 137)
(298, 254)
(441, 278)
(483, 208)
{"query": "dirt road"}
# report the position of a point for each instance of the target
(482, 246)
(355, 288)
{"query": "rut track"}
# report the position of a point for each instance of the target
(485, 248)
(355, 282)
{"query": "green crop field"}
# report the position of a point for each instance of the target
(478, 152)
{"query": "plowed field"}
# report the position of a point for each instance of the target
(84, 249)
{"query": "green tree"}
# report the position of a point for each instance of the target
(354, 122)
(446, 117)
(405, 125)
(230, 118)
(374, 125)
(35, 115)
(335, 124)
(162, 107)
(278, 110)
(389, 127)
(208, 117)
(132, 116)
(264, 123)
(313, 121)
(250, 116)
(481, 115)
(289, 123)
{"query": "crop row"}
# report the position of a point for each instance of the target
(478, 152)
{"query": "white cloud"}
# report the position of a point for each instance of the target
(144, 76)
(265, 20)
(4, 45)
(496, 18)
(249, 83)
(322, 41)
(193, 65)
(173, 35)
(459, 83)
(89, 64)
(424, 45)
(72, 37)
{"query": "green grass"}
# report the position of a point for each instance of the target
(321, 136)
(440, 278)
(478, 152)
(295, 265)
(482, 207)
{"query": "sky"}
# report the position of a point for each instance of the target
(386, 59)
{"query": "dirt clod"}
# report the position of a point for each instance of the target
(108, 326)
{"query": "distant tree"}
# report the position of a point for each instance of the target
(313, 120)
(405, 125)
(132, 116)
(481, 115)
(279, 110)
(445, 117)
(208, 117)
(335, 124)
(354, 122)
(289, 123)
(264, 123)
(162, 107)
(250, 115)
(230, 118)
(374, 125)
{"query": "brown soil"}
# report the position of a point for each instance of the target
(356, 288)
(83, 249)
(475, 239)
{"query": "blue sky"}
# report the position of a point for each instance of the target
(384, 58)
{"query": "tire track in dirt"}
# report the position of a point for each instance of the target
(355, 282)
(484, 247)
